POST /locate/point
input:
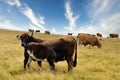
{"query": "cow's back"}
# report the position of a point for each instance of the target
(83, 38)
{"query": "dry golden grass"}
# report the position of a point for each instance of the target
(93, 64)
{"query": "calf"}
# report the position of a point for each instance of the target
(38, 52)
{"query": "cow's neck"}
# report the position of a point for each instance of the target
(35, 40)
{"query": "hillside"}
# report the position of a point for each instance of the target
(93, 64)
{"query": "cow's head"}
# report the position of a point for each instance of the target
(25, 38)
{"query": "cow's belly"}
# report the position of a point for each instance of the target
(30, 53)
(60, 57)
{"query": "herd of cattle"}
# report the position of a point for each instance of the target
(111, 35)
(56, 50)
(32, 30)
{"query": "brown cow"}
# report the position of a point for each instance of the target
(70, 33)
(99, 35)
(47, 32)
(31, 30)
(64, 48)
(86, 39)
(113, 35)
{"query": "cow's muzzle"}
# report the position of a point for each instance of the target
(23, 44)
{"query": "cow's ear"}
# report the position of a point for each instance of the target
(18, 36)
(32, 34)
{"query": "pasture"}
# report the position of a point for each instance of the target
(92, 64)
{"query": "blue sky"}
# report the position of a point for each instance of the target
(61, 16)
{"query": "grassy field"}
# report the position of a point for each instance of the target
(93, 64)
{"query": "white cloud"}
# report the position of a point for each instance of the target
(33, 27)
(14, 2)
(111, 23)
(70, 17)
(6, 24)
(105, 17)
(53, 30)
(99, 7)
(38, 22)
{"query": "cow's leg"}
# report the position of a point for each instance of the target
(29, 62)
(39, 63)
(26, 56)
(70, 62)
(51, 63)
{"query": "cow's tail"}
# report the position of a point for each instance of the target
(75, 57)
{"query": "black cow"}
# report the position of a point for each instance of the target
(64, 47)
(39, 52)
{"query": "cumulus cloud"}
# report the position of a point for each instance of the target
(70, 17)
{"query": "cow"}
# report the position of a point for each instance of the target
(30, 30)
(39, 52)
(70, 33)
(47, 32)
(65, 48)
(99, 35)
(37, 31)
(86, 39)
(113, 35)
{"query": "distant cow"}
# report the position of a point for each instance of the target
(86, 39)
(47, 32)
(37, 31)
(65, 48)
(83, 34)
(39, 52)
(99, 35)
(31, 30)
(70, 33)
(113, 35)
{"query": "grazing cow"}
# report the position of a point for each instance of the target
(113, 35)
(70, 33)
(39, 52)
(47, 32)
(37, 31)
(31, 30)
(99, 35)
(64, 48)
(86, 39)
